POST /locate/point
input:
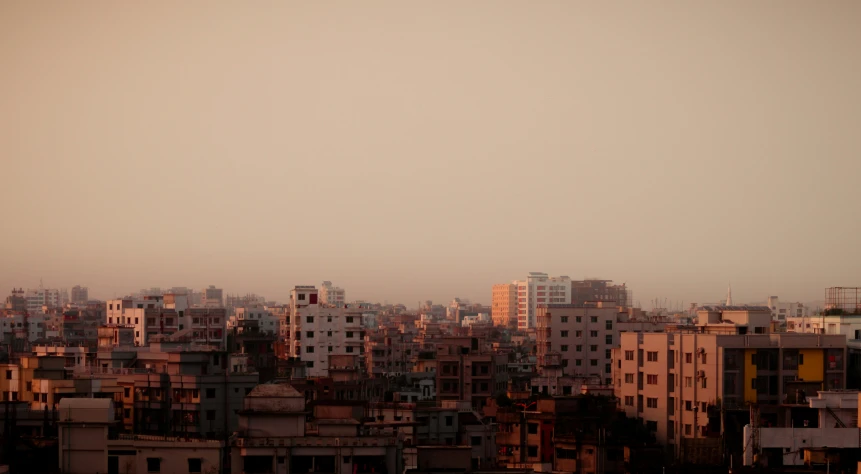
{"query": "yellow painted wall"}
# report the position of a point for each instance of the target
(813, 368)
(749, 374)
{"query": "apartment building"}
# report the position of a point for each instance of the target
(676, 381)
(274, 437)
(212, 297)
(389, 351)
(581, 337)
(88, 443)
(266, 321)
(468, 371)
(332, 295)
(172, 389)
(541, 289)
(319, 331)
(504, 305)
(80, 295)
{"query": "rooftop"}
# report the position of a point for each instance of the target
(274, 390)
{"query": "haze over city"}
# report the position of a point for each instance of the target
(412, 152)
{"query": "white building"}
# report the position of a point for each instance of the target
(847, 324)
(266, 321)
(781, 311)
(539, 289)
(834, 427)
(332, 295)
(471, 319)
(321, 331)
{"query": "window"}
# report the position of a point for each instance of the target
(301, 296)
(565, 320)
(593, 348)
(210, 393)
(608, 325)
(195, 465)
(629, 400)
(703, 382)
(564, 348)
(629, 355)
(689, 382)
(309, 350)
(475, 440)
(30, 386)
(8, 375)
(578, 348)
(703, 357)
(687, 430)
(330, 348)
(310, 364)
(578, 319)
(309, 319)
(608, 339)
(533, 428)
(564, 333)
(594, 319)
(593, 362)
(689, 357)
(593, 333)
(578, 333)
(349, 333)
(652, 425)
(449, 420)
(652, 356)
(328, 333)
(533, 451)
(688, 406)
(349, 319)
(349, 349)
(607, 369)
(309, 334)
(629, 378)
(153, 465)
(652, 403)
(578, 362)
(210, 415)
(608, 353)
(652, 379)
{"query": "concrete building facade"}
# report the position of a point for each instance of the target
(332, 295)
(673, 380)
(504, 305)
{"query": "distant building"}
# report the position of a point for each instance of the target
(80, 295)
(332, 295)
(504, 305)
(781, 311)
(213, 297)
(540, 289)
(318, 331)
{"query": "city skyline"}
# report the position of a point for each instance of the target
(414, 153)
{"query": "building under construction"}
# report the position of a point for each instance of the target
(843, 300)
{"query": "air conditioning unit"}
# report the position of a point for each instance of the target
(701, 374)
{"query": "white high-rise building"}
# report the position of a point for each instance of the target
(332, 295)
(539, 289)
(781, 311)
(318, 332)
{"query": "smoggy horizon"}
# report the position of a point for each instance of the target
(409, 152)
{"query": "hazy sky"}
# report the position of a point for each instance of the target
(411, 151)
